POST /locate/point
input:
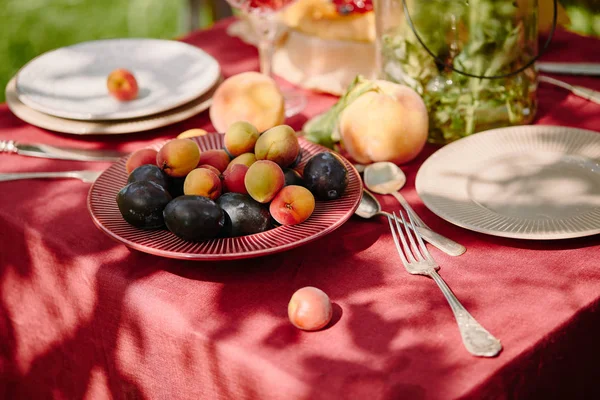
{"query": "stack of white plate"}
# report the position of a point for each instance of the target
(64, 90)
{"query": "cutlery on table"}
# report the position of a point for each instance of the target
(418, 261)
(569, 68)
(87, 176)
(387, 178)
(586, 93)
(370, 207)
(56, 152)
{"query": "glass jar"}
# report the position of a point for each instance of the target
(431, 47)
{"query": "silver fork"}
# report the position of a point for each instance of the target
(87, 176)
(418, 261)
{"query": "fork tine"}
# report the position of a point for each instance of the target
(422, 246)
(405, 245)
(413, 244)
(402, 257)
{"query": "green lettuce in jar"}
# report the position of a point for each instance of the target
(480, 37)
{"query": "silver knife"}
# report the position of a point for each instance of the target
(569, 68)
(60, 153)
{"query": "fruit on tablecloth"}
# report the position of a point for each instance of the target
(122, 85)
(192, 133)
(310, 309)
(194, 218)
(375, 120)
(264, 180)
(240, 138)
(325, 176)
(178, 157)
(246, 215)
(391, 126)
(149, 172)
(234, 179)
(140, 157)
(292, 177)
(142, 203)
(292, 205)
(249, 96)
(217, 158)
(210, 167)
(247, 159)
(278, 144)
(202, 182)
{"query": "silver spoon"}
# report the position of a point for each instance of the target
(387, 178)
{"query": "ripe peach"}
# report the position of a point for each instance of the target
(264, 180)
(191, 133)
(217, 158)
(139, 158)
(233, 179)
(178, 157)
(249, 96)
(310, 309)
(240, 138)
(247, 159)
(278, 144)
(122, 85)
(292, 205)
(211, 168)
(202, 182)
(387, 125)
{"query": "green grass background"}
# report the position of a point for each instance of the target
(31, 27)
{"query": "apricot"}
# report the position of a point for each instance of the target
(292, 205)
(139, 158)
(249, 96)
(310, 309)
(278, 144)
(234, 179)
(202, 182)
(178, 157)
(264, 180)
(122, 85)
(247, 159)
(217, 158)
(240, 138)
(211, 168)
(191, 133)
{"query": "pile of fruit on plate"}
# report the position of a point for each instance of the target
(251, 185)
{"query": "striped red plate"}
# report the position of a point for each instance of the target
(328, 216)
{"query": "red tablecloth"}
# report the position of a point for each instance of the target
(81, 316)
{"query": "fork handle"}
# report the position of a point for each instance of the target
(35, 175)
(477, 340)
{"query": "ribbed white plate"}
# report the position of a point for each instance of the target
(526, 182)
(70, 82)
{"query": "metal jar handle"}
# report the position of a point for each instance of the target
(451, 67)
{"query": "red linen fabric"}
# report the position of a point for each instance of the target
(83, 317)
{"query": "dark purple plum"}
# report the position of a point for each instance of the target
(325, 176)
(149, 172)
(194, 218)
(246, 215)
(142, 203)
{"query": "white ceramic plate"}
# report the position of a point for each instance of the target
(70, 82)
(120, 127)
(527, 182)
